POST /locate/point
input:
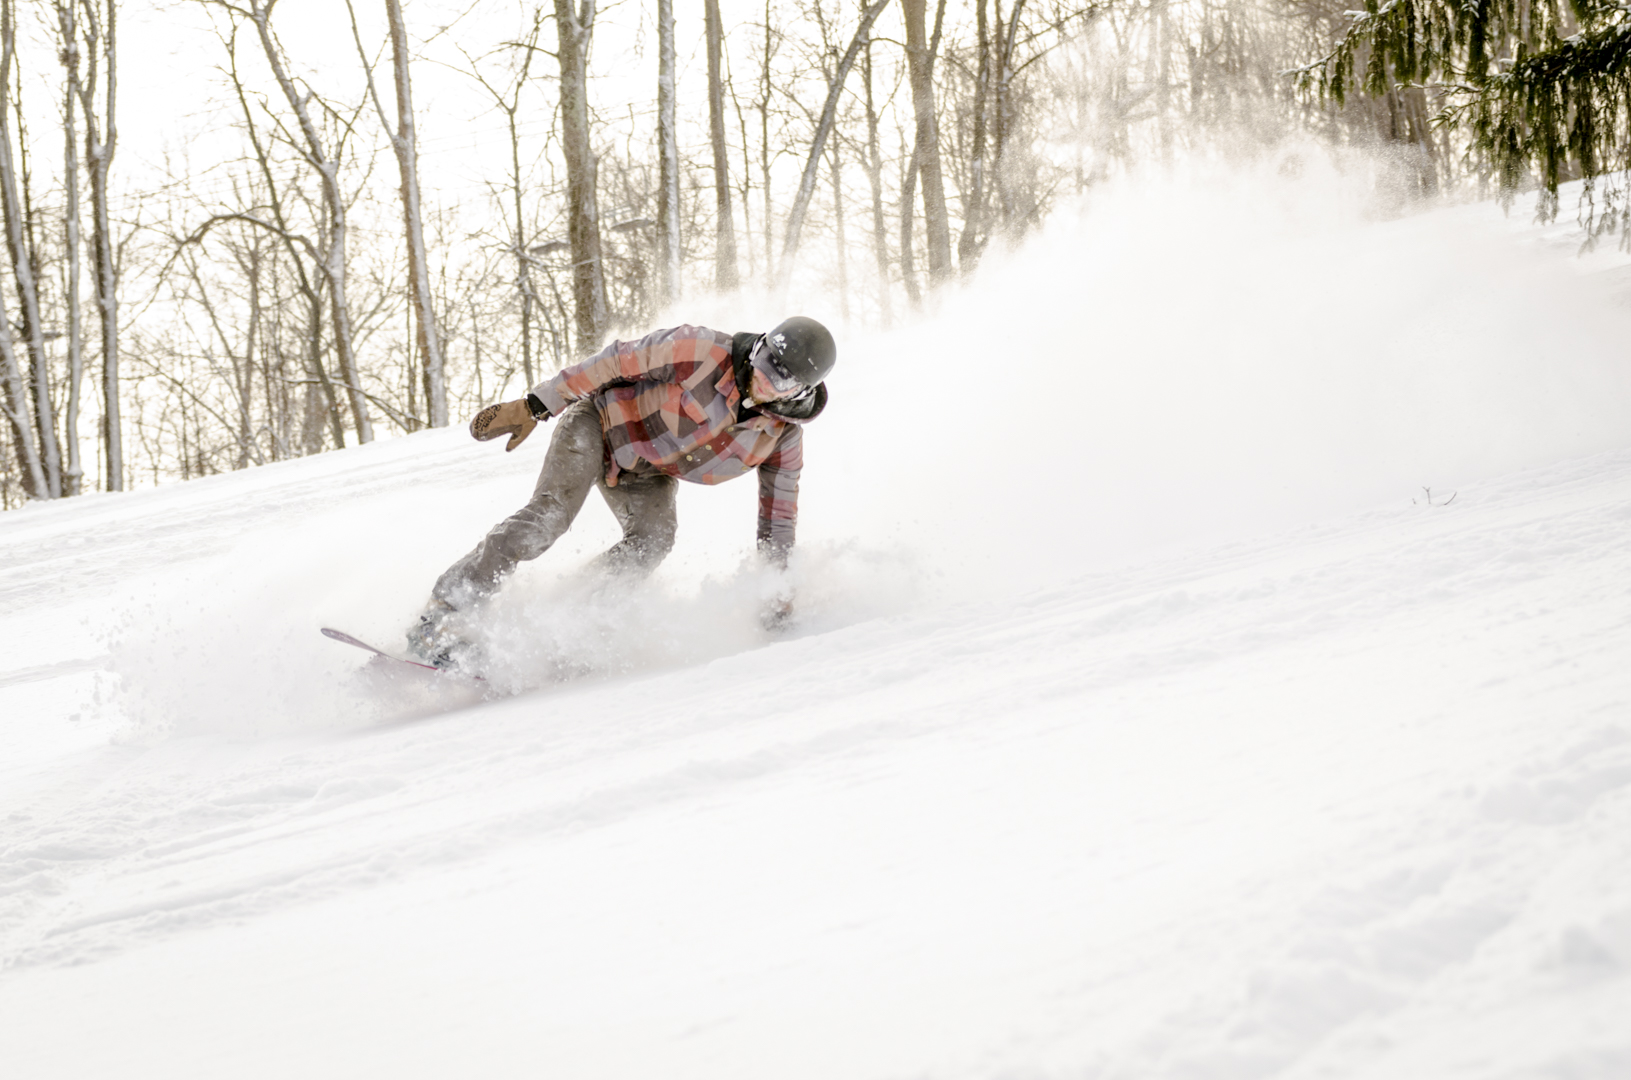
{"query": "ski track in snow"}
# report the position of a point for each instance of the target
(1349, 799)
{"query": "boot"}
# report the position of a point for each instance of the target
(432, 639)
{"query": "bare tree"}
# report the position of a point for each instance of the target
(746, 187)
(101, 136)
(508, 101)
(767, 55)
(668, 157)
(874, 175)
(1002, 111)
(326, 162)
(920, 53)
(404, 143)
(725, 273)
(68, 32)
(22, 265)
(818, 142)
(575, 27)
(840, 244)
(309, 285)
(17, 414)
(968, 244)
(908, 254)
(1021, 42)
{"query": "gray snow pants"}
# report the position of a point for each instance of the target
(642, 502)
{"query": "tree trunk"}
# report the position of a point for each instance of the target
(837, 174)
(575, 28)
(668, 157)
(334, 268)
(246, 377)
(908, 257)
(523, 266)
(105, 270)
(920, 70)
(334, 262)
(99, 148)
(1002, 110)
(725, 272)
(874, 172)
(968, 245)
(28, 296)
(745, 190)
(314, 361)
(17, 409)
(764, 151)
(73, 479)
(405, 143)
(812, 164)
(1161, 45)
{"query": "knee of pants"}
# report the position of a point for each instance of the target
(529, 532)
(643, 546)
(654, 541)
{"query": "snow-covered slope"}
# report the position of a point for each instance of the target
(1189, 738)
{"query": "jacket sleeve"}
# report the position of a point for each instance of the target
(779, 495)
(661, 356)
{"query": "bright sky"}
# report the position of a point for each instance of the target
(173, 97)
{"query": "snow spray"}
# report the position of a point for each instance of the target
(1175, 359)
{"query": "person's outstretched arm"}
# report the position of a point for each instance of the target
(662, 356)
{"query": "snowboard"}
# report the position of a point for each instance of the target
(340, 635)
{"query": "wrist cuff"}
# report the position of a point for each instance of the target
(536, 407)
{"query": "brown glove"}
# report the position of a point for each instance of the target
(512, 418)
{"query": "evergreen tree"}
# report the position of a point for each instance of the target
(1538, 85)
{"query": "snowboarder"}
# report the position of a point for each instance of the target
(682, 404)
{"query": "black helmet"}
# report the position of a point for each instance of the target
(804, 348)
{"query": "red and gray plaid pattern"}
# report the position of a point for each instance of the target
(670, 400)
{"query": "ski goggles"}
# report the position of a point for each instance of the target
(768, 364)
(792, 403)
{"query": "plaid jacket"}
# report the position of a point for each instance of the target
(671, 401)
